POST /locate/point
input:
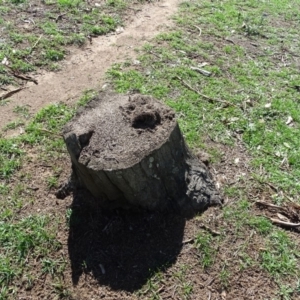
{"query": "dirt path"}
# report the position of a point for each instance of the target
(85, 68)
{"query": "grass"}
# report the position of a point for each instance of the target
(42, 41)
(203, 244)
(29, 238)
(251, 55)
(251, 99)
(260, 113)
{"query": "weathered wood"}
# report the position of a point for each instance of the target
(128, 151)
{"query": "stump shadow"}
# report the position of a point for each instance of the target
(121, 249)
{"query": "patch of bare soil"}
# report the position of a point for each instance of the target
(85, 67)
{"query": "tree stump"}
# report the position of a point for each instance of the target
(128, 151)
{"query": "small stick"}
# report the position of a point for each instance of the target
(211, 281)
(134, 9)
(188, 241)
(287, 224)
(200, 30)
(28, 78)
(204, 96)
(35, 44)
(59, 17)
(9, 94)
(201, 71)
(271, 186)
(154, 54)
(229, 40)
(269, 204)
(213, 232)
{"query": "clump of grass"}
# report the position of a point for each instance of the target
(204, 244)
(27, 237)
(280, 257)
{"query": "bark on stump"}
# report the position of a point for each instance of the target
(128, 151)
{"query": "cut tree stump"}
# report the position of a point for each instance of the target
(128, 151)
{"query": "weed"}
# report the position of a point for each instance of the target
(69, 3)
(53, 267)
(116, 3)
(224, 276)
(22, 110)
(54, 55)
(68, 216)
(261, 224)
(187, 289)
(285, 291)
(203, 243)
(280, 257)
(61, 290)
(151, 286)
(13, 125)
(10, 154)
(52, 182)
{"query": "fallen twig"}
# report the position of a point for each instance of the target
(59, 17)
(155, 54)
(229, 40)
(271, 186)
(286, 224)
(28, 78)
(188, 241)
(35, 44)
(201, 71)
(200, 30)
(204, 96)
(210, 281)
(209, 295)
(10, 93)
(269, 205)
(134, 9)
(213, 232)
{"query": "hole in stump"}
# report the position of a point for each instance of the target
(146, 120)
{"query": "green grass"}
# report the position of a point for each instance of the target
(281, 255)
(239, 44)
(25, 239)
(205, 244)
(46, 39)
(28, 238)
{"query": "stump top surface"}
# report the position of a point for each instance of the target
(118, 131)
